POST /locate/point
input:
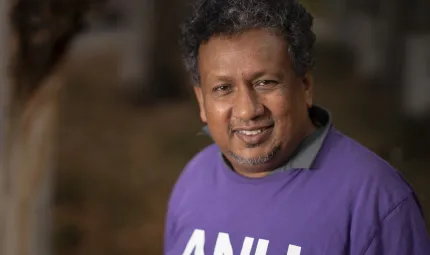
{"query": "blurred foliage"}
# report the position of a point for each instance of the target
(315, 7)
(43, 31)
(67, 237)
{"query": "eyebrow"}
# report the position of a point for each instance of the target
(220, 78)
(258, 75)
(253, 76)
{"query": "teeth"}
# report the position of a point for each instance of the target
(250, 132)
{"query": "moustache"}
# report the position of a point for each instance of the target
(251, 125)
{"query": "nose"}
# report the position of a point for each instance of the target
(247, 105)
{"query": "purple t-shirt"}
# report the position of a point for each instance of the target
(349, 202)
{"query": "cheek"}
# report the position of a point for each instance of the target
(218, 121)
(283, 112)
(217, 114)
(279, 105)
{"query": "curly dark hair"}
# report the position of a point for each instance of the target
(229, 17)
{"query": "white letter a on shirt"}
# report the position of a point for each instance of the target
(196, 243)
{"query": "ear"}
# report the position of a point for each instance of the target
(308, 85)
(199, 95)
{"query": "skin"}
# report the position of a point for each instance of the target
(248, 81)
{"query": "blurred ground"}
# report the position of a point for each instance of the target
(118, 162)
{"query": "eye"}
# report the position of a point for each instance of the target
(266, 83)
(222, 88)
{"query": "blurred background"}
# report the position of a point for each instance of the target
(124, 122)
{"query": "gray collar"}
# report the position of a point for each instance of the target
(304, 156)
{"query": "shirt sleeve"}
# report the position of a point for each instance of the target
(402, 232)
(168, 230)
(170, 223)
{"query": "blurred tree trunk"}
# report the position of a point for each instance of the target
(415, 78)
(414, 89)
(140, 42)
(152, 69)
(27, 160)
(4, 106)
(29, 163)
(37, 35)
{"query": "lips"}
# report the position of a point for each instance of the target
(253, 135)
(252, 131)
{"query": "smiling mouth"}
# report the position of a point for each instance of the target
(253, 137)
(253, 132)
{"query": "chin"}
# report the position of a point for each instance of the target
(255, 157)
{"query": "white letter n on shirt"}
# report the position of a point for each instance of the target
(294, 250)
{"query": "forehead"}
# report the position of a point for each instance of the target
(248, 51)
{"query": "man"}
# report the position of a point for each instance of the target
(280, 179)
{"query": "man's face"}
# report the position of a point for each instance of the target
(255, 106)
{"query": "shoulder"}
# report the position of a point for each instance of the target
(197, 168)
(203, 159)
(372, 188)
(368, 174)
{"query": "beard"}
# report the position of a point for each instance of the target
(257, 160)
